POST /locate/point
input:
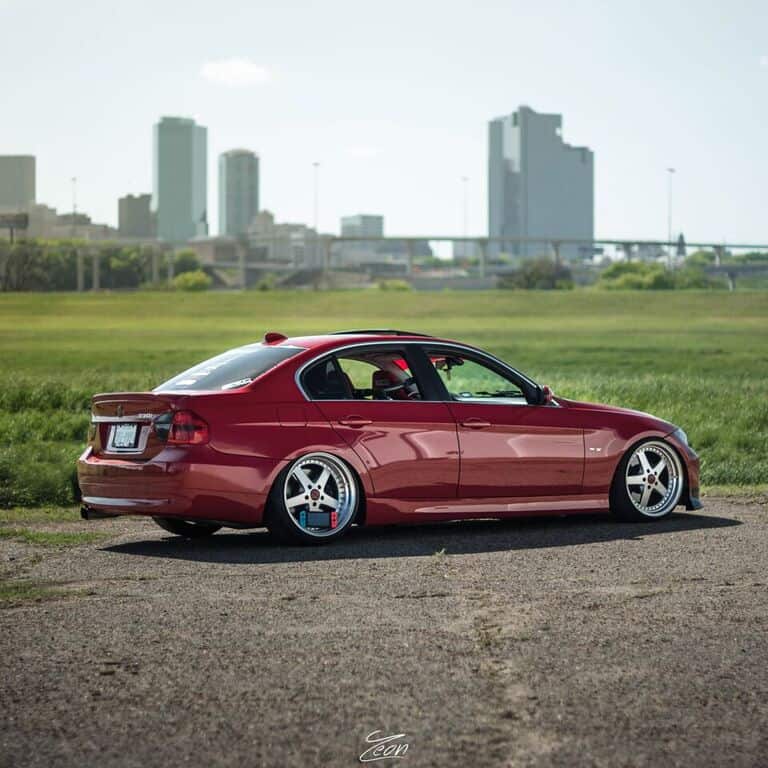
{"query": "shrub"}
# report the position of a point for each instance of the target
(539, 274)
(635, 276)
(694, 278)
(700, 259)
(641, 276)
(266, 282)
(185, 261)
(395, 285)
(192, 281)
(122, 268)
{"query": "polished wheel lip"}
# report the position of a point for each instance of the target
(318, 494)
(654, 478)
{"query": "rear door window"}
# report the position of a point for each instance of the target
(362, 374)
(325, 381)
(381, 374)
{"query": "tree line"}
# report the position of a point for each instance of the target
(51, 265)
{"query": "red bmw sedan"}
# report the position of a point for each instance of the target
(308, 436)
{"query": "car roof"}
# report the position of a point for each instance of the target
(328, 341)
(324, 343)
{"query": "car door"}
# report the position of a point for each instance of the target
(408, 443)
(508, 448)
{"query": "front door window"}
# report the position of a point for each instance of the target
(469, 381)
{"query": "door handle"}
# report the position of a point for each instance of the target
(354, 421)
(475, 423)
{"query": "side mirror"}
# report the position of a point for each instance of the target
(546, 395)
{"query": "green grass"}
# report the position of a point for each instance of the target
(40, 515)
(51, 538)
(699, 360)
(745, 492)
(14, 593)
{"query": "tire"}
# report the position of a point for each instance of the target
(648, 483)
(305, 496)
(187, 528)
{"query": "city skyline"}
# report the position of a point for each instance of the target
(396, 134)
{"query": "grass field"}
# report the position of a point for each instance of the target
(697, 359)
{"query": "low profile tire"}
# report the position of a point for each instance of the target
(187, 528)
(314, 500)
(648, 482)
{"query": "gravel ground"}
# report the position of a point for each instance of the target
(561, 642)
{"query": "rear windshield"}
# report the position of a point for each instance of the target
(231, 370)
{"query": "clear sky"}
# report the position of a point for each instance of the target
(393, 98)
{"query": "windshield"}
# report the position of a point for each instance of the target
(230, 370)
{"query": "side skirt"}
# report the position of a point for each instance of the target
(391, 511)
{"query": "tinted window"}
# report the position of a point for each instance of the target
(381, 374)
(324, 381)
(469, 380)
(231, 370)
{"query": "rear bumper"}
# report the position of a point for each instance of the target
(178, 482)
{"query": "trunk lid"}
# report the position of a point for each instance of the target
(130, 425)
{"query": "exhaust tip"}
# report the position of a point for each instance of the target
(95, 514)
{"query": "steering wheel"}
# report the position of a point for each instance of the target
(405, 385)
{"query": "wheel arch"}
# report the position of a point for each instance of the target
(349, 457)
(632, 443)
(637, 441)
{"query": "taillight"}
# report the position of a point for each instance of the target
(187, 428)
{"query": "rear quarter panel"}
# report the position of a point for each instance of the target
(250, 426)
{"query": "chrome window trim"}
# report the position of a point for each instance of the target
(425, 342)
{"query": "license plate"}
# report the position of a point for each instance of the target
(124, 436)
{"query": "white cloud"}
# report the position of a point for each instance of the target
(764, 62)
(235, 72)
(364, 152)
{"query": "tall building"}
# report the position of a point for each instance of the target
(17, 181)
(238, 191)
(297, 244)
(538, 186)
(180, 192)
(134, 216)
(362, 225)
(355, 253)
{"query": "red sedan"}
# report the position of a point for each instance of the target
(309, 435)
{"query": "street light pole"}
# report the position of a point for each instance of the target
(316, 200)
(670, 174)
(464, 182)
(315, 206)
(74, 205)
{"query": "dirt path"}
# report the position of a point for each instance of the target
(564, 642)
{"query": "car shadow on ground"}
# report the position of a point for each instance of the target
(465, 537)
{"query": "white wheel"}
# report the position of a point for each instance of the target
(649, 482)
(318, 499)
